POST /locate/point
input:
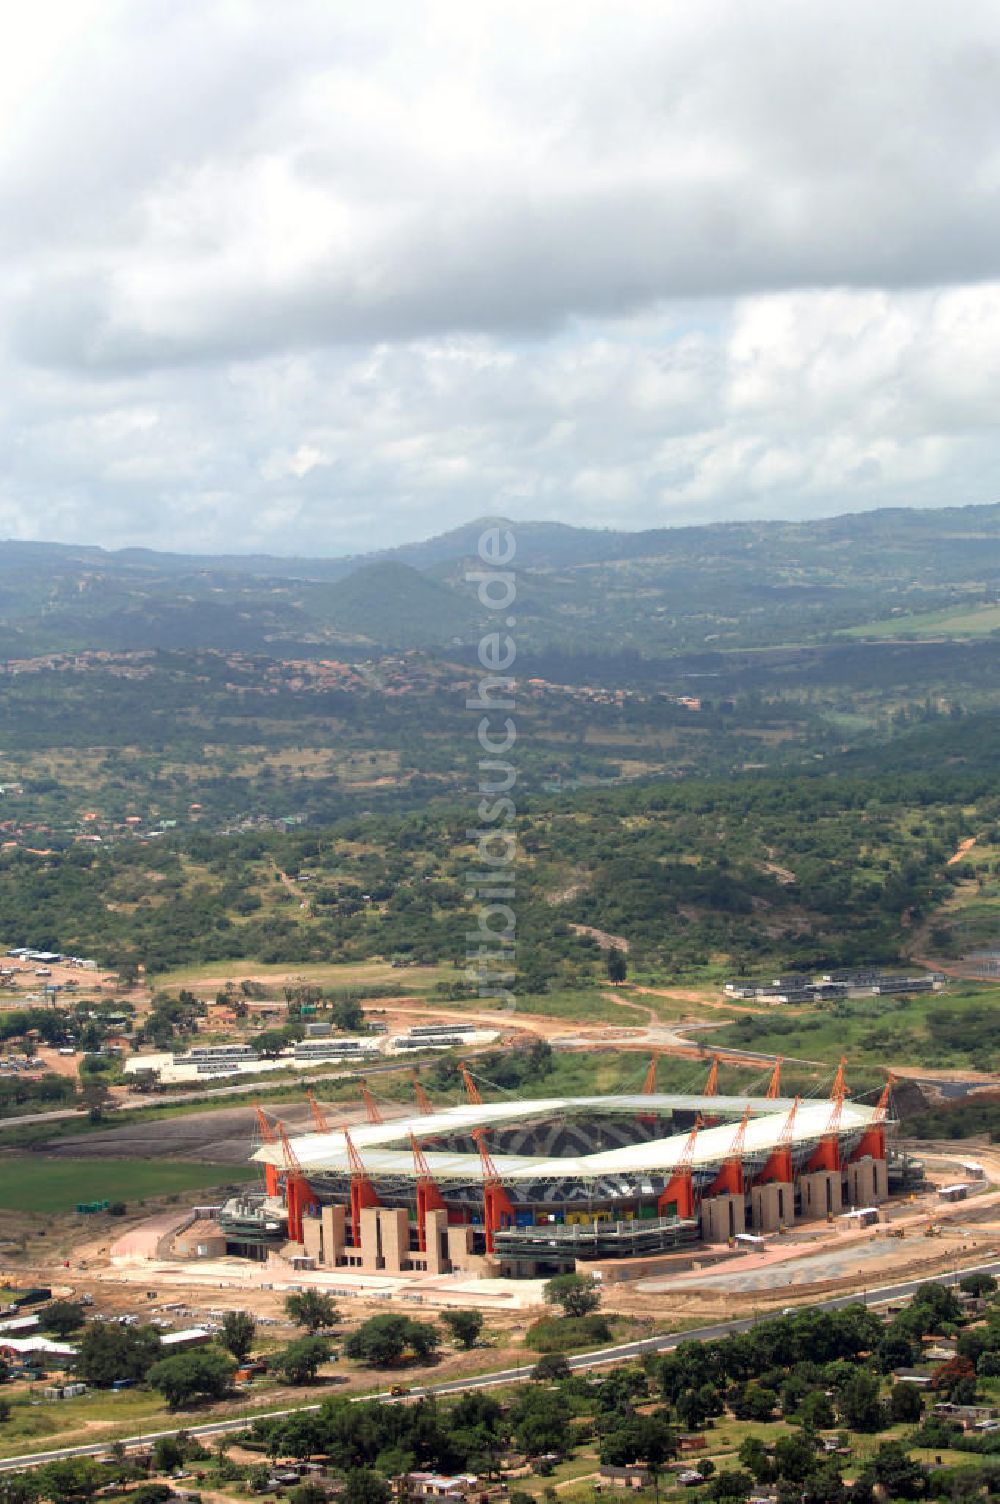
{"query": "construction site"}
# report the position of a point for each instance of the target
(528, 1188)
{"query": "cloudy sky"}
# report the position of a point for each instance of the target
(320, 277)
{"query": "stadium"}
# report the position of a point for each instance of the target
(531, 1187)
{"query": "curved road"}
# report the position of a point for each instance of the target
(884, 1295)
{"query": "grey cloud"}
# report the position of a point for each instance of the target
(589, 170)
(312, 277)
(795, 404)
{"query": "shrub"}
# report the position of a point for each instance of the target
(567, 1334)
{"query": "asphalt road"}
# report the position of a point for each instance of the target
(884, 1295)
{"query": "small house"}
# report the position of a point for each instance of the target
(635, 1477)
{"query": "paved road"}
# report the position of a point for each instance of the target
(884, 1295)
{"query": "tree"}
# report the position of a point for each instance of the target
(905, 1404)
(859, 1403)
(423, 1339)
(648, 1439)
(896, 1350)
(311, 1309)
(300, 1435)
(897, 1473)
(794, 1456)
(979, 1283)
(239, 1329)
(95, 1097)
(206, 1373)
(761, 1403)
(271, 1041)
(168, 1454)
(550, 1368)
(348, 1016)
(362, 1485)
(540, 1420)
(108, 1352)
(382, 1340)
(18, 1488)
(464, 1326)
(308, 1493)
(63, 1317)
(692, 1409)
(71, 1482)
(949, 1375)
(578, 1294)
(730, 1485)
(754, 1455)
(300, 1361)
(620, 1391)
(816, 1411)
(379, 1341)
(617, 966)
(824, 1485)
(976, 1340)
(939, 1302)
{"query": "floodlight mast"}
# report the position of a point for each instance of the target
(712, 1086)
(268, 1136)
(497, 1209)
(827, 1152)
(429, 1197)
(423, 1100)
(778, 1166)
(319, 1116)
(363, 1193)
(371, 1106)
(298, 1192)
(649, 1090)
(471, 1089)
(838, 1090)
(872, 1142)
(774, 1085)
(731, 1179)
(712, 1083)
(679, 1189)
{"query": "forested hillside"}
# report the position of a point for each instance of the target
(656, 592)
(695, 876)
(228, 759)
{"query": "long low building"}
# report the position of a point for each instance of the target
(532, 1185)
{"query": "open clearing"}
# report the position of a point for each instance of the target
(196, 1144)
(214, 975)
(968, 621)
(887, 1032)
(32, 1184)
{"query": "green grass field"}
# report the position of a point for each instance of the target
(33, 1184)
(893, 1031)
(213, 975)
(969, 621)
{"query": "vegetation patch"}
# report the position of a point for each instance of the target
(952, 1028)
(568, 1334)
(33, 1184)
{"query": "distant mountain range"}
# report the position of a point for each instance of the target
(724, 585)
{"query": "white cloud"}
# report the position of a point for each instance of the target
(316, 277)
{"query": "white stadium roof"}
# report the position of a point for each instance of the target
(326, 1153)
